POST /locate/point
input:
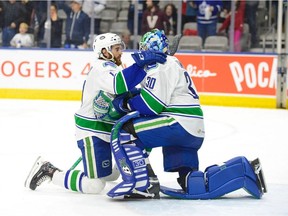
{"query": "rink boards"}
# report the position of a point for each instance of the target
(247, 80)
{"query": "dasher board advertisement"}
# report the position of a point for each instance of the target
(59, 74)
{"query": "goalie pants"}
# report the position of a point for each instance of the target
(180, 148)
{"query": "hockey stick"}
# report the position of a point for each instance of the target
(174, 44)
(76, 163)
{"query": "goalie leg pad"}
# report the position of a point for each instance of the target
(217, 181)
(234, 174)
(130, 161)
(139, 167)
(133, 169)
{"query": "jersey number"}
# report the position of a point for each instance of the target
(191, 89)
(150, 82)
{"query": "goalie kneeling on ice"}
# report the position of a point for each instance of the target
(234, 174)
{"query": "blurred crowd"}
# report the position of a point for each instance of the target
(72, 24)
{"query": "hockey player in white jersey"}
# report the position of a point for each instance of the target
(105, 80)
(167, 113)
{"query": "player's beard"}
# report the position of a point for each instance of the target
(118, 61)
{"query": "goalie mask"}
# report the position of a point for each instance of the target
(106, 41)
(155, 40)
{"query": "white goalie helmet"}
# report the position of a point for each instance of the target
(106, 40)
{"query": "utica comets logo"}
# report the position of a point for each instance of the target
(124, 166)
(195, 72)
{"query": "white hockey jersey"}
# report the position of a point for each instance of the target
(108, 77)
(169, 90)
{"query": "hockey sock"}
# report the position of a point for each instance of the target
(70, 179)
(73, 180)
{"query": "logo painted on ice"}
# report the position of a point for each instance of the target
(124, 166)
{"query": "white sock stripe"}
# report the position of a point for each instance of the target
(69, 180)
(78, 180)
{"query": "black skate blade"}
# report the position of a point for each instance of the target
(260, 175)
(142, 195)
(139, 197)
(33, 170)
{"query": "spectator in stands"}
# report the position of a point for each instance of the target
(77, 25)
(22, 39)
(171, 13)
(189, 12)
(141, 7)
(250, 17)
(29, 6)
(1, 16)
(39, 17)
(13, 13)
(126, 38)
(154, 17)
(94, 8)
(224, 13)
(55, 28)
(238, 25)
(207, 17)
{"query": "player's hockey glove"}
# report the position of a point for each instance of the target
(147, 57)
(120, 103)
(104, 109)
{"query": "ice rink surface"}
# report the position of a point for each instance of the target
(30, 128)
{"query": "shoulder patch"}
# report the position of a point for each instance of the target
(109, 63)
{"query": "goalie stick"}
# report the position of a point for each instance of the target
(174, 44)
(76, 163)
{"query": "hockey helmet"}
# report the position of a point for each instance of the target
(106, 40)
(155, 40)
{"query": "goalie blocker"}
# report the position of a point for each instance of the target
(217, 181)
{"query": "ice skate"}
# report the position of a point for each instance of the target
(40, 172)
(152, 192)
(256, 165)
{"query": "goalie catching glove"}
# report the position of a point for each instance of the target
(147, 57)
